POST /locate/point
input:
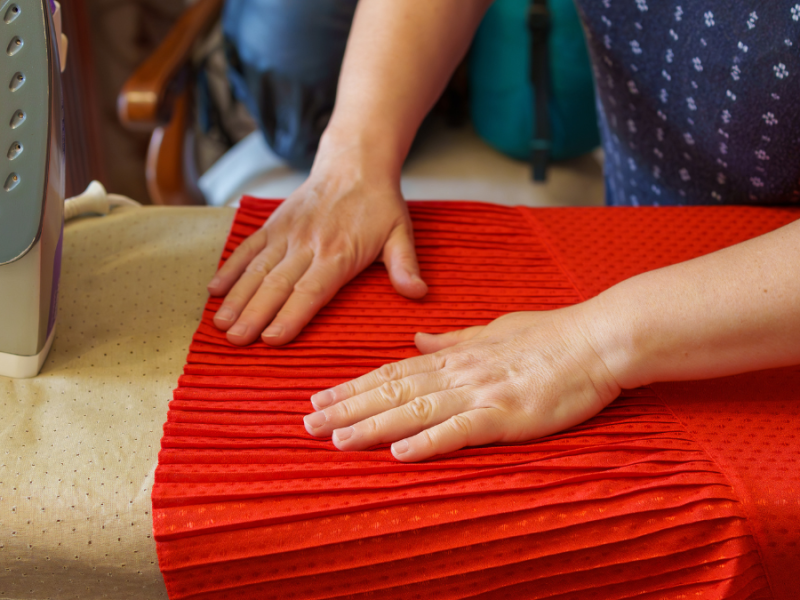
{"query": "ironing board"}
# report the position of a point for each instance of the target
(674, 491)
(79, 443)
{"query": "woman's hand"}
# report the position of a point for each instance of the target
(523, 376)
(527, 375)
(336, 224)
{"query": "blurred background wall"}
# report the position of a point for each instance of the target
(108, 40)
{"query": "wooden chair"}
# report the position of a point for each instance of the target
(157, 98)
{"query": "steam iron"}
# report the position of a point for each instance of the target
(31, 182)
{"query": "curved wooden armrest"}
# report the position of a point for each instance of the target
(144, 102)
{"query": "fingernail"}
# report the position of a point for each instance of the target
(416, 278)
(322, 399)
(239, 329)
(272, 331)
(314, 420)
(400, 447)
(214, 282)
(343, 434)
(225, 314)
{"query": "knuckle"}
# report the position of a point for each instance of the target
(278, 281)
(340, 413)
(346, 266)
(309, 286)
(392, 392)
(238, 298)
(258, 266)
(253, 243)
(370, 427)
(406, 256)
(348, 389)
(426, 439)
(340, 256)
(438, 360)
(421, 409)
(462, 426)
(246, 247)
(340, 246)
(460, 361)
(250, 314)
(390, 371)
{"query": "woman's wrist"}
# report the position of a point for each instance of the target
(371, 151)
(642, 336)
(608, 324)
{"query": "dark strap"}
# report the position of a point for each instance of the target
(539, 26)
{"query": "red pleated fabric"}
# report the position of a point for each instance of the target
(635, 502)
(750, 424)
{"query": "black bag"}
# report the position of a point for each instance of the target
(284, 58)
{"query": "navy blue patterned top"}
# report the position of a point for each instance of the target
(699, 101)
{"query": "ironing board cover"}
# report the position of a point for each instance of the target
(674, 491)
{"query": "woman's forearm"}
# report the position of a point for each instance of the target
(731, 311)
(399, 57)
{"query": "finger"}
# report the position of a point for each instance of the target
(378, 400)
(247, 285)
(407, 420)
(313, 291)
(271, 295)
(237, 262)
(388, 372)
(428, 343)
(400, 259)
(473, 428)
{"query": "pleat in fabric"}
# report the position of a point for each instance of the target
(248, 505)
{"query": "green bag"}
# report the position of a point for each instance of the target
(518, 42)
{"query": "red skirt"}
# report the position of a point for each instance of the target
(686, 490)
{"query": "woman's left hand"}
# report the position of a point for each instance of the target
(523, 376)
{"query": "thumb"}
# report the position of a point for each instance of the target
(400, 259)
(428, 343)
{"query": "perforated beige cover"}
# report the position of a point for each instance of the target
(78, 443)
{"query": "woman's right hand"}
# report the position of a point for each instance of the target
(350, 211)
(347, 214)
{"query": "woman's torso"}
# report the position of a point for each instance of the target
(699, 101)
